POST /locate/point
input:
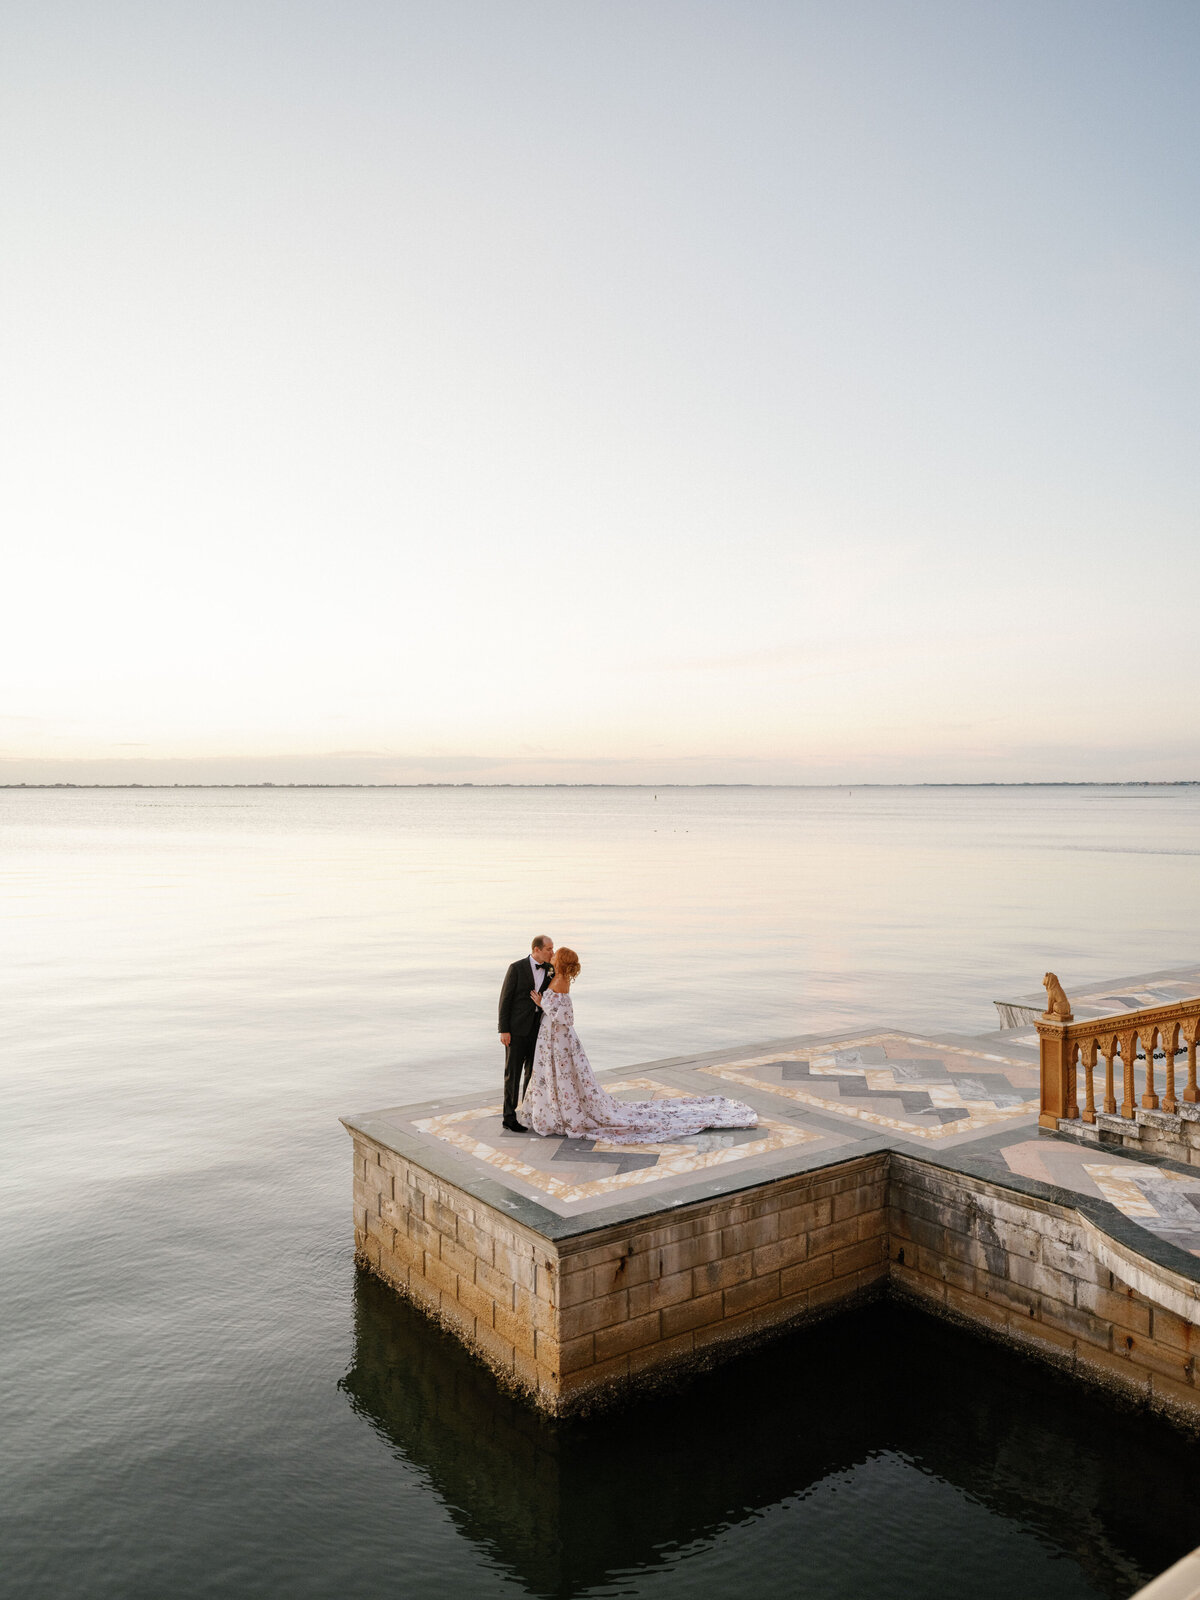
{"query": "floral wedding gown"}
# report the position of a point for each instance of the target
(564, 1097)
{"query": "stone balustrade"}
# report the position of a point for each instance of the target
(1070, 1049)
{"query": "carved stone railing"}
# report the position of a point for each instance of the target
(1066, 1044)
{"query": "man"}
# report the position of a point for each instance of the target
(520, 1020)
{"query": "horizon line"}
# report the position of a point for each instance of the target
(946, 783)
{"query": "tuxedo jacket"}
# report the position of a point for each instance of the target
(518, 1014)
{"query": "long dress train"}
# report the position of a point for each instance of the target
(564, 1097)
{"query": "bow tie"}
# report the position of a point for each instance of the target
(542, 966)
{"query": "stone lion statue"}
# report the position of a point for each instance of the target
(1058, 1007)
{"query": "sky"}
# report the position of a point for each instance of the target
(595, 391)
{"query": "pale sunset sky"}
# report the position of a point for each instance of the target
(585, 390)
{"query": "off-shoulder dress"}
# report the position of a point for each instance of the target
(564, 1097)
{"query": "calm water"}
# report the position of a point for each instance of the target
(197, 1395)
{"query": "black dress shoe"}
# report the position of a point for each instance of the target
(511, 1125)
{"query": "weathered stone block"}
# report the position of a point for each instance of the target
(625, 1336)
(480, 1305)
(378, 1178)
(515, 1330)
(515, 1264)
(1178, 1400)
(1082, 1324)
(723, 1274)
(835, 1237)
(653, 1356)
(382, 1231)
(532, 1308)
(457, 1259)
(600, 1375)
(866, 1254)
(420, 1232)
(442, 1277)
(1043, 1280)
(754, 1292)
(804, 1216)
(660, 1292)
(498, 1284)
(475, 1239)
(424, 1292)
(691, 1314)
(750, 1235)
(495, 1350)
(1172, 1331)
(805, 1274)
(1010, 1295)
(575, 1354)
(783, 1253)
(457, 1318)
(1115, 1306)
(1157, 1358)
(593, 1314)
(1020, 1243)
(575, 1287)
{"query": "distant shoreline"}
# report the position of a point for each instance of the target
(1031, 783)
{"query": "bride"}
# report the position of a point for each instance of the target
(564, 1097)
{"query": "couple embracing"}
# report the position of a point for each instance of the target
(561, 1095)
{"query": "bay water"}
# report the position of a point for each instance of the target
(199, 1395)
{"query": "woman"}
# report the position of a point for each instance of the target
(564, 1097)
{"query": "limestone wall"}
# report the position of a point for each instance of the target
(564, 1322)
(666, 1291)
(1040, 1276)
(489, 1280)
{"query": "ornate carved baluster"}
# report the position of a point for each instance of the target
(1189, 1033)
(1169, 1034)
(1149, 1099)
(1128, 1057)
(1109, 1046)
(1089, 1064)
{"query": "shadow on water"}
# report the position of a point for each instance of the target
(1102, 1495)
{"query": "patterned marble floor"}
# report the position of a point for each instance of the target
(922, 1089)
(1162, 1199)
(814, 1100)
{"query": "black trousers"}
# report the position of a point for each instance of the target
(518, 1059)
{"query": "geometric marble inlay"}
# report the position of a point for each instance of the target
(926, 1090)
(579, 1169)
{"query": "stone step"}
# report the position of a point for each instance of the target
(1175, 1135)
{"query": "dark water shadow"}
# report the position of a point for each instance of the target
(565, 1507)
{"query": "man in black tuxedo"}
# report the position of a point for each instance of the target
(520, 1020)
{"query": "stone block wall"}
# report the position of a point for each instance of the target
(671, 1290)
(490, 1281)
(1034, 1274)
(564, 1322)
(561, 1322)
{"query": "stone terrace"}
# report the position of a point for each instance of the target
(882, 1161)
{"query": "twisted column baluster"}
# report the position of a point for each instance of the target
(1169, 1034)
(1190, 1026)
(1128, 1057)
(1088, 1052)
(1109, 1046)
(1149, 1098)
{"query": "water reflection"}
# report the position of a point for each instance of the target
(1100, 1495)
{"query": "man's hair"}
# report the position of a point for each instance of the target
(542, 940)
